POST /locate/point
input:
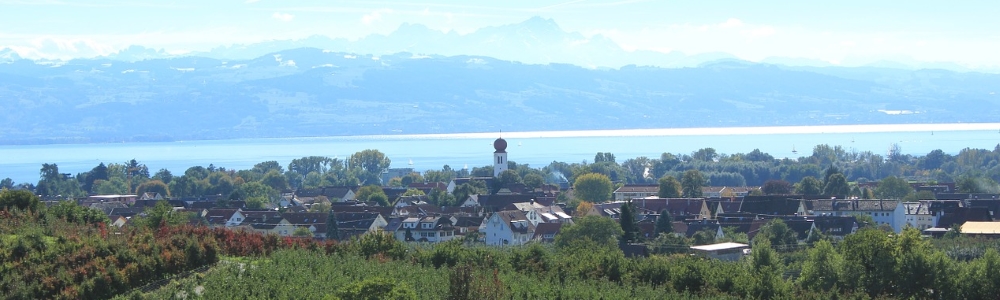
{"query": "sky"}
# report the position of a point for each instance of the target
(963, 32)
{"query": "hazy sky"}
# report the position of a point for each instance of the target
(966, 32)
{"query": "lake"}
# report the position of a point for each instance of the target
(431, 151)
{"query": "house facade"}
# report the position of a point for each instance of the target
(509, 227)
(889, 212)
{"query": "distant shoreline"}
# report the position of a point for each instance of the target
(598, 133)
(694, 131)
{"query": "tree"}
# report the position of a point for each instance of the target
(153, 186)
(869, 265)
(332, 229)
(160, 215)
(809, 186)
(370, 160)
(506, 178)
(411, 178)
(705, 154)
(777, 187)
(372, 193)
(473, 187)
(250, 190)
(376, 288)
(18, 199)
(275, 180)
(302, 232)
(582, 208)
(692, 182)
(590, 231)
(836, 185)
(777, 234)
(669, 187)
(413, 192)
(6, 183)
(592, 187)
(309, 164)
(533, 181)
(628, 223)
(664, 223)
(893, 187)
(267, 166)
(820, 271)
(163, 175)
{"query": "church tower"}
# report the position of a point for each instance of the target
(499, 156)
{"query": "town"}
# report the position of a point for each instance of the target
(638, 214)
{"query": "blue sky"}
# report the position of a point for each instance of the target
(966, 32)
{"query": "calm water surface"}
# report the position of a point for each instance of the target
(22, 162)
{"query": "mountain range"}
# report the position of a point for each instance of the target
(316, 92)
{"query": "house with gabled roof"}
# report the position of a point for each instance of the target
(836, 227)
(263, 221)
(776, 205)
(351, 224)
(919, 216)
(890, 212)
(223, 217)
(454, 183)
(306, 220)
(546, 232)
(679, 208)
(508, 227)
(431, 229)
(635, 191)
(492, 203)
(151, 196)
(428, 187)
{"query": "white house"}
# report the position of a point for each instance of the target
(508, 227)
(433, 229)
(224, 217)
(890, 212)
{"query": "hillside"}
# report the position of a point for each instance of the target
(312, 92)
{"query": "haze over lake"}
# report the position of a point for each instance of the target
(22, 162)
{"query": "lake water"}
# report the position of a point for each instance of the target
(23, 162)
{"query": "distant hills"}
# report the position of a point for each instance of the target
(316, 92)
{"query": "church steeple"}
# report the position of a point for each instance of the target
(499, 156)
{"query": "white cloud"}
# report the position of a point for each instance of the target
(762, 31)
(731, 23)
(374, 16)
(284, 17)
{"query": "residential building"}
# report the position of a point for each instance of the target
(889, 212)
(508, 227)
(635, 191)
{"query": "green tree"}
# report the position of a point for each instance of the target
(669, 187)
(507, 178)
(302, 232)
(592, 187)
(115, 186)
(777, 234)
(809, 186)
(377, 288)
(413, 192)
(267, 166)
(869, 265)
(765, 274)
(332, 229)
(893, 187)
(628, 223)
(777, 187)
(836, 185)
(371, 161)
(254, 190)
(163, 175)
(664, 223)
(161, 215)
(820, 272)
(6, 183)
(590, 231)
(533, 181)
(372, 193)
(473, 187)
(18, 199)
(691, 183)
(153, 186)
(275, 180)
